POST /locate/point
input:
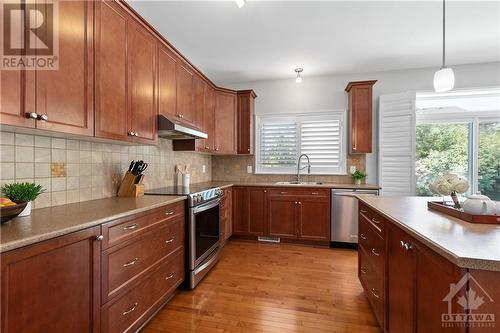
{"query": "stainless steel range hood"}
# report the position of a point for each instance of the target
(173, 129)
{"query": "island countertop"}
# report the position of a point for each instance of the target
(468, 245)
(47, 223)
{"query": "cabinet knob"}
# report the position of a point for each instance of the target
(136, 134)
(248, 149)
(99, 238)
(43, 117)
(32, 115)
(131, 133)
(207, 147)
(217, 149)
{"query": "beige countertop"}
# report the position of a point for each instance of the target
(223, 184)
(474, 246)
(52, 222)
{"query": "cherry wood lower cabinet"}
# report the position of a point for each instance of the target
(288, 213)
(226, 215)
(53, 286)
(408, 284)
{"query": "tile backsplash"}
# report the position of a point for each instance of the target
(234, 168)
(77, 170)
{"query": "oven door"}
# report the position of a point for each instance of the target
(204, 231)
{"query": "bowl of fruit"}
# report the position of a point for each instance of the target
(10, 209)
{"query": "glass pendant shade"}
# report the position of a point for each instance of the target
(298, 79)
(444, 80)
(240, 3)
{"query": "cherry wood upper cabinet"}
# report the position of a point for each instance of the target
(209, 120)
(111, 81)
(246, 102)
(53, 286)
(225, 122)
(142, 79)
(199, 94)
(360, 116)
(65, 96)
(167, 81)
(185, 88)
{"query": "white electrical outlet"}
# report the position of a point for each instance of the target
(352, 168)
(249, 169)
(203, 168)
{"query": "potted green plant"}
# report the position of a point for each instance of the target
(22, 192)
(358, 176)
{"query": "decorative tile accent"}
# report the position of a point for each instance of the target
(58, 169)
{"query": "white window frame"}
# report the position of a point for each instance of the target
(341, 115)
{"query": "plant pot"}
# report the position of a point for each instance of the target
(357, 181)
(27, 210)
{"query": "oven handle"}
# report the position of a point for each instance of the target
(206, 206)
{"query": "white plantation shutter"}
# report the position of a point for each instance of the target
(397, 144)
(278, 144)
(281, 139)
(321, 141)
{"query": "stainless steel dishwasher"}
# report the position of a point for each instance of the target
(344, 216)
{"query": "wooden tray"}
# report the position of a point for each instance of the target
(482, 219)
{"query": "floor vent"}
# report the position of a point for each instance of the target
(268, 239)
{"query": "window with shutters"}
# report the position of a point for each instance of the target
(281, 139)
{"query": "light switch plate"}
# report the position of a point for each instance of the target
(203, 168)
(249, 169)
(352, 168)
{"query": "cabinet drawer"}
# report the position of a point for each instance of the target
(373, 283)
(372, 243)
(379, 223)
(121, 230)
(127, 312)
(123, 264)
(315, 192)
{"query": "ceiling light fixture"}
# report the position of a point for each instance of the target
(298, 79)
(240, 3)
(444, 78)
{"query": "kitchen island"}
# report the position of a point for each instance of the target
(424, 271)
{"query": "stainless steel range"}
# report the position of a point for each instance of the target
(203, 228)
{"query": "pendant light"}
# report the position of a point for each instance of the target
(298, 79)
(444, 79)
(240, 3)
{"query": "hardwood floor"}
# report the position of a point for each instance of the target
(259, 287)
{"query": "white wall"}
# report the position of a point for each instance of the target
(327, 92)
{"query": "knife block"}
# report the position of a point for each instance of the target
(129, 188)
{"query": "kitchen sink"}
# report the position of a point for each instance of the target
(298, 183)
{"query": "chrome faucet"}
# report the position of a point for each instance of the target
(308, 166)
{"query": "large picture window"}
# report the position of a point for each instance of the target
(281, 139)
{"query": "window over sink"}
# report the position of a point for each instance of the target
(281, 139)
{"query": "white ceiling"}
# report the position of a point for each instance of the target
(268, 39)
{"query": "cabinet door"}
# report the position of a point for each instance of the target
(240, 211)
(209, 119)
(167, 81)
(142, 73)
(489, 281)
(257, 211)
(360, 116)
(53, 286)
(185, 87)
(282, 212)
(313, 219)
(225, 122)
(111, 105)
(434, 275)
(245, 122)
(65, 95)
(200, 87)
(228, 232)
(400, 283)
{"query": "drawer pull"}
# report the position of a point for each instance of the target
(314, 193)
(168, 241)
(283, 192)
(169, 213)
(364, 211)
(170, 276)
(131, 309)
(363, 270)
(375, 221)
(130, 263)
(375, 293)
(130, 227)
(375, 253)
(363, 236)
